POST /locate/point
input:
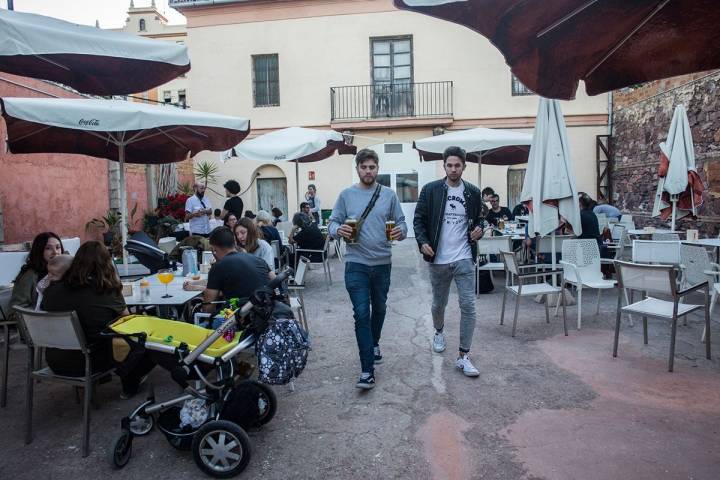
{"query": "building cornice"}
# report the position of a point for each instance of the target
(273, 10)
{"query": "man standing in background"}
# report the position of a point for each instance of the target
(197, 211)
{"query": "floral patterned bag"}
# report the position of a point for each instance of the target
(282, 351)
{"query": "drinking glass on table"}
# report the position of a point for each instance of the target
(166, 276)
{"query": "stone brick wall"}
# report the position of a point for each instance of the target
(641, 119)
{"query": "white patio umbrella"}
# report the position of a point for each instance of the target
(294, 144)
(549, 184)
(127, 132)
(680, 188)
(484, 145)
(90, 60)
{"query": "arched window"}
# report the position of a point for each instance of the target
(142, 24)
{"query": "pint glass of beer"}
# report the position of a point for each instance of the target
(389, 226)
(352, 223)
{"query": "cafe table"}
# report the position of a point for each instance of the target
(178, 297)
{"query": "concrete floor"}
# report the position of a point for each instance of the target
(545, 406)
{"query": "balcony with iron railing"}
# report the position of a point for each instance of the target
(387, 101)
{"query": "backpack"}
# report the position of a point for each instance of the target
(282, 351)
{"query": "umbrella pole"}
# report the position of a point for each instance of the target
(297, 187)
(673, 199)
(123, 202)
(480, 171)
(553, 256)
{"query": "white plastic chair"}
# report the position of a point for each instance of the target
(581, 269)
(57, 330)
(665, 237)
(297, 285)
(492, 246)
(71, 245)
(324, 255)
(626, 219)
(602, 221)
(697, 268)
(658, 279)
(522, 289)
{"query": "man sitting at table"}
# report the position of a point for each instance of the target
(497, 212)
(234, 274)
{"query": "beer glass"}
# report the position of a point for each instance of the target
(389, 226)
(352, 223)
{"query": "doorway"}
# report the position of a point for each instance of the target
(515, 180)
(272, 192)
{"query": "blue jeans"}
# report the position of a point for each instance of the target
(368, 289)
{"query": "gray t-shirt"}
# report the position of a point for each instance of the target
(372, 247)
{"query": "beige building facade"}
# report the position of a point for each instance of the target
(383, 76)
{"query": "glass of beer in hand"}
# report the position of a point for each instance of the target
(352, 223)
(389, 227)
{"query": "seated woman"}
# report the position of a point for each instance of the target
(45, 246)
(230, 220)
(306, 235)
(93, 290)
(277, 216)
(248, 238)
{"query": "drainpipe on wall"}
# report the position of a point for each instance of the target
(610, 113)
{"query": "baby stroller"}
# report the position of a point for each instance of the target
(210, 418)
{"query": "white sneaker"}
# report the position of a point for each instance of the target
(438, 343)
(464, 364)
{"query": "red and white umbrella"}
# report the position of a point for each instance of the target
(127, 132)
(90, 60)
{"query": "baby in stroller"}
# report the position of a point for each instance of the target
(209, 418)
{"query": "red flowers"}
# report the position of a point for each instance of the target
(173, 205)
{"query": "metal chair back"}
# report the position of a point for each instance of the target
(660, 279)
(52, 329)
(662, 252)
(494, 245)
(585, 256)
(510, 261)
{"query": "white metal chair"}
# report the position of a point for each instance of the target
(57, 330)
(522, 289)
(626, 218)
(657, 279)
(297, 285)
(10, 265)
(665, 237)
(602, 221)
(492, 246)
(581, 269)
(324, 255)
(697, 268)
(658, 252)
(617, 231)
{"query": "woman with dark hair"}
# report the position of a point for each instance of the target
(249, 238)
(277, 216)
(305, 234)
(230, 220)
(92, 289)
(45, 246)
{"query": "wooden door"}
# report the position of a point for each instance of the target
(515, 179)
(272, 192)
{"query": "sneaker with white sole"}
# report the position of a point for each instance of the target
(438, 343)
(378, 355)
(464, 364)
(366, 381)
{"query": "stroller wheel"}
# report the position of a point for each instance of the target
(141, 425)
(267, 401)
(121, 450)
(221, 449)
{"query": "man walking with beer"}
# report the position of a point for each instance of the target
(368, 216)
(448, 222)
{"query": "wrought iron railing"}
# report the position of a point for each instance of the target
(391, 100)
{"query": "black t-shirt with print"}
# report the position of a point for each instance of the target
(493, 217)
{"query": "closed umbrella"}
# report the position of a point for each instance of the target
(484, 146)
(552, 45)
(127, 132)
(294, 144)
(88, 59)
(680, 188)
(549, 187)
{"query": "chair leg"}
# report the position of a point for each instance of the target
(29, 397)
(86, 409)
(302, 310)
(707, 328)
(5, 366)
(502, 312)
(562, 294)
(329, 272)
(517, 305)
(645, 330)
(672, 343)
(579, 306)
(547, 309)
(597, 310)
(627, 302)
(618, 315)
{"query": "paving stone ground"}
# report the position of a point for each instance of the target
(545, 406)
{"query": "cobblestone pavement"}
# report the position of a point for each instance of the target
(545, 405)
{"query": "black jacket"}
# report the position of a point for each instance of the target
(430, 210)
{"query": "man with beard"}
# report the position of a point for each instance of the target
(197, 212)
(448, 221)
(368, 258)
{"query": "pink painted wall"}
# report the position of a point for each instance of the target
(136, 193)
(41, 192)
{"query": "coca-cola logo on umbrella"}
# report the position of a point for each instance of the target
(93, 122)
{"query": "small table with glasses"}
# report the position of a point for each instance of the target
(178, 296)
